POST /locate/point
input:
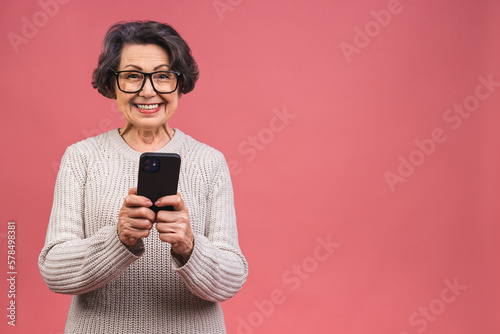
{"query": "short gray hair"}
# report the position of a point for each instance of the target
(143, 32)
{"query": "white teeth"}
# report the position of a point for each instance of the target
(147, 106)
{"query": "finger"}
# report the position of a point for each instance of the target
(134, 233)
(134, 201)
(140, 224)
(171, 238)
(172, 217)
(140, 212)
(129, 235)
(173, 200)
(132, 191)
(179, 231)
(165, 227)
(174, 239)
(181, 244)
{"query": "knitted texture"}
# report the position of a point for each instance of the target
(144, 289)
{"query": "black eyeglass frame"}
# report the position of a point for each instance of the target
(146, 75)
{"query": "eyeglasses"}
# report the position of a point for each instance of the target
(163, 82)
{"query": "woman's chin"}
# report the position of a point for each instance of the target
(148, 119)
(149, 126)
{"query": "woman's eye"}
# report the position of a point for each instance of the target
(132, 76)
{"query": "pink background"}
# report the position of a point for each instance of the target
(369, 154)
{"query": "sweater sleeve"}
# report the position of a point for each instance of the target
(71, 262)
(216, 269)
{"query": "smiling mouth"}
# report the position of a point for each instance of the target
(148, 106)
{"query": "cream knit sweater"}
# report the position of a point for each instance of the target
(144, 289)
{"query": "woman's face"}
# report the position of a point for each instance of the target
(147, 109)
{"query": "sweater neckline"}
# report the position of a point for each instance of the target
(173, 146)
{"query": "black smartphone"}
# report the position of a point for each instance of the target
(158, 176)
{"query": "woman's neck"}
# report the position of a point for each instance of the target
(147, 140)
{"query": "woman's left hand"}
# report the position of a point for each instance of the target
(174, 226)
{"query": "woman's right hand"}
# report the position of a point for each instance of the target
(135, 219)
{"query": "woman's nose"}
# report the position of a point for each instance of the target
(147, 90)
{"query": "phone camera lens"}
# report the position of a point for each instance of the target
(150, 165)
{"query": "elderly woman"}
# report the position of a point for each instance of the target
(131, 270)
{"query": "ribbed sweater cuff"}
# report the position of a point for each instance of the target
(103, 257)
(210, 273)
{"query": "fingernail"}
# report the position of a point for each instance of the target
(149, 203)
(157, 202)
